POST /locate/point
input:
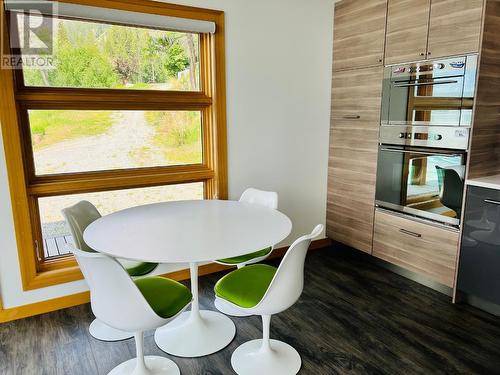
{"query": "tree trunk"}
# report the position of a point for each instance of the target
(192, 60)
(45, 77)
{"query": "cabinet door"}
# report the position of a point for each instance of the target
(421, 248)
(356, 98)
(407, 26)
(358, 39)
(455, 27)
(478, 272)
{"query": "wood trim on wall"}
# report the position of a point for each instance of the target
(20, 312)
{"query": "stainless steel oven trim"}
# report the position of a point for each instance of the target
(416, 84)
(420, 216)
(421, 123)
(406, 151)
(422, 61)
(451, 137)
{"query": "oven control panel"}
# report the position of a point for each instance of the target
(447, 137)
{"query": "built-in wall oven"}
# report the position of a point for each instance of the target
(424, 138)
(421, 170)
(439, 93)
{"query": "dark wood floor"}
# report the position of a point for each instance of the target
(353, 318)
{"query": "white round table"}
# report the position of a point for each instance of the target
(189, 232)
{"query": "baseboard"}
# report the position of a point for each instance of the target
(480, 303)
(24, 311)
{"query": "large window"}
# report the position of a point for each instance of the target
(127, 114)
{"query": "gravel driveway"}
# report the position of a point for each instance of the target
(128, 143)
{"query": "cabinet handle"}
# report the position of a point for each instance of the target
(422, 54)
(404, 231)
(352, 117)
(429, 53)
(492, 201)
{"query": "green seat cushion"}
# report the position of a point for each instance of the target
(247, 257)
(141, 269)
(246, 286)
(166, 297)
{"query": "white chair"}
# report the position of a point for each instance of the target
(133, 306)
(263, 198)
(264, 290)
(78, 217)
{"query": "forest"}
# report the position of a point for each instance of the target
(97, 55)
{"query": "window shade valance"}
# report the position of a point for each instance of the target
(123, 17)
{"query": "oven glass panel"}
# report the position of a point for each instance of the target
(426, 184)
(427, 102)
(430, 93)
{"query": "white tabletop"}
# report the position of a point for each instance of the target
(187, 231)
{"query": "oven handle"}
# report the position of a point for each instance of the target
(426, 83)
(417, 152)
(492, 201)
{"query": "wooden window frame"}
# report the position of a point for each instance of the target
(26, 188)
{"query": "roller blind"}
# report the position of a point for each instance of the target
(121, 17)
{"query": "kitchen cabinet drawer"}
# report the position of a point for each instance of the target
(422, 248)
(479, 267)
(358, 39)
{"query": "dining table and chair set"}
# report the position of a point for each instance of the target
(117, 254)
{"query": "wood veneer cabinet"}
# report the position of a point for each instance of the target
(407, 27)
(426, 29)
(411, 30)
(455, 27)
(418, 247)
(356, 97)
(359, 36)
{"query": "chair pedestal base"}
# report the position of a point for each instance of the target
(250, 359)
(155, 366)
(103, 332)
(228, 309)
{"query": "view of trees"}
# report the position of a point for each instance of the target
(97, 55)
(112, 56)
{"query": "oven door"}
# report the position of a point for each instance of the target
(427, 183)
(428, 101)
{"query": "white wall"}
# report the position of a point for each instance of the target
(278, 66)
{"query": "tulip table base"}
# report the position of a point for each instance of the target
(154, 366)
(195, 333)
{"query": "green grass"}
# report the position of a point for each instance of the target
(52, 126)
(136, 86)
(178, 133)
